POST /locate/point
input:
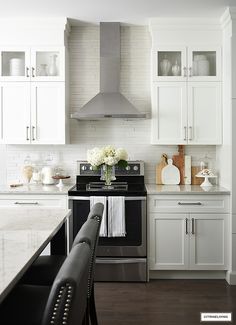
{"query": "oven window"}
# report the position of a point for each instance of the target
(133, 223)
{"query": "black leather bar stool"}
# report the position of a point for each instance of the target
(62, 303)
(46, 267)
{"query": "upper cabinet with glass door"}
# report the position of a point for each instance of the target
(15, 64)
(169, 63)
(32, 64)
(198, 63)
(204, 63)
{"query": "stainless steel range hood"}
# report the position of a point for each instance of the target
(109, 102)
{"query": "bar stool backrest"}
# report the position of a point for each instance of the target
(68, 297)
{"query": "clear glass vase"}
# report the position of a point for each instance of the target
(108, 174)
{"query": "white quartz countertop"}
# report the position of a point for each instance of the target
(185, 189)
(24, 234)
(35, 189)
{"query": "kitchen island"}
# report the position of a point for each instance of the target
(24, 233)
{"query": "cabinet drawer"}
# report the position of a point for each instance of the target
(188, 203)
(32, 201)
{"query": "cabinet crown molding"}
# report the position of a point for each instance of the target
(183, 23)
(34, 31)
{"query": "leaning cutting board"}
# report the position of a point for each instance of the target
(159, 168)
(195, 171)
(178, 161)
(170, 174)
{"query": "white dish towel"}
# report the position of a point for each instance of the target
(103, 200)
(116, 216)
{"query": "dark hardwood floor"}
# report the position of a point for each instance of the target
(163, 302)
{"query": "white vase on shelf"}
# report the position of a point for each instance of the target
(52, 69)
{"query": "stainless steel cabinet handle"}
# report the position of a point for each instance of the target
(27, 133)
(33, 70)
(185, 71)
(27, 72)
(186, 226)
(190, 72)
(190, 133)
(193, 230)
(185, 133)
(26, 203)
(189, 203)
(33, 133)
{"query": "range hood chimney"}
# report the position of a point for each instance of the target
(109, 102)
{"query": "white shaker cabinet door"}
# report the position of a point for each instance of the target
(169, 242)
(48, 112)
(15, 110)
(169, 113)
(204, 113)
(208, 241)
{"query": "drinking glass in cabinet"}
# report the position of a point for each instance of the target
(169, 63)
(13, 63)
(47, 63)
(204, 63)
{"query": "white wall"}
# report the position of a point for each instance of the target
(84, 84)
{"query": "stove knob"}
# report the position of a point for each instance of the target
(83, 167)
(135, 168)
(127, 168)
(91, 168)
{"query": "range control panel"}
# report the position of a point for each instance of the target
(134, 168)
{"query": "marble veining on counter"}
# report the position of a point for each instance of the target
(185, 189)
(35, 189)
(24, 234)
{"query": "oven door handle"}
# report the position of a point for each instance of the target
(120, 261)
(127, 198)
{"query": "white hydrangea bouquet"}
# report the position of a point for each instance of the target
(106, 158)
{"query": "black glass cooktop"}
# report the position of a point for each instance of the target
(133, 186)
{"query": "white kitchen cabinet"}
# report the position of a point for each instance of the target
(33, 200)
(189, 63)
(208, 241)
(15, 112)
(186, 113)
(32, 63)
(48, 113)
(169, 113)
(169, 247)
(33, 113)
(188, 232)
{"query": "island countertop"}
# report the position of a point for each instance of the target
(35, 189)
(185, 189)
(24, 233)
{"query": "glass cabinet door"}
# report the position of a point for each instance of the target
(169, 64)
(48, 64)
(15, 64)
(204, 63)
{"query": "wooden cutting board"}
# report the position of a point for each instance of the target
(196, 180)
(159, 168)
(178, 161)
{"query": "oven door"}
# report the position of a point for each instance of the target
(133, 244)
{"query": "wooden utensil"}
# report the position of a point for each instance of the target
(159, 168)
(178, 161)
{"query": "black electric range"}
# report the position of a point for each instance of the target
(118, 258)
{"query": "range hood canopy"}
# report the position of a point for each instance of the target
(109, 102)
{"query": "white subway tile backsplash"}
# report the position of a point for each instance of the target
(134, 136)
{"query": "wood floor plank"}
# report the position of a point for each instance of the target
(163, 302)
